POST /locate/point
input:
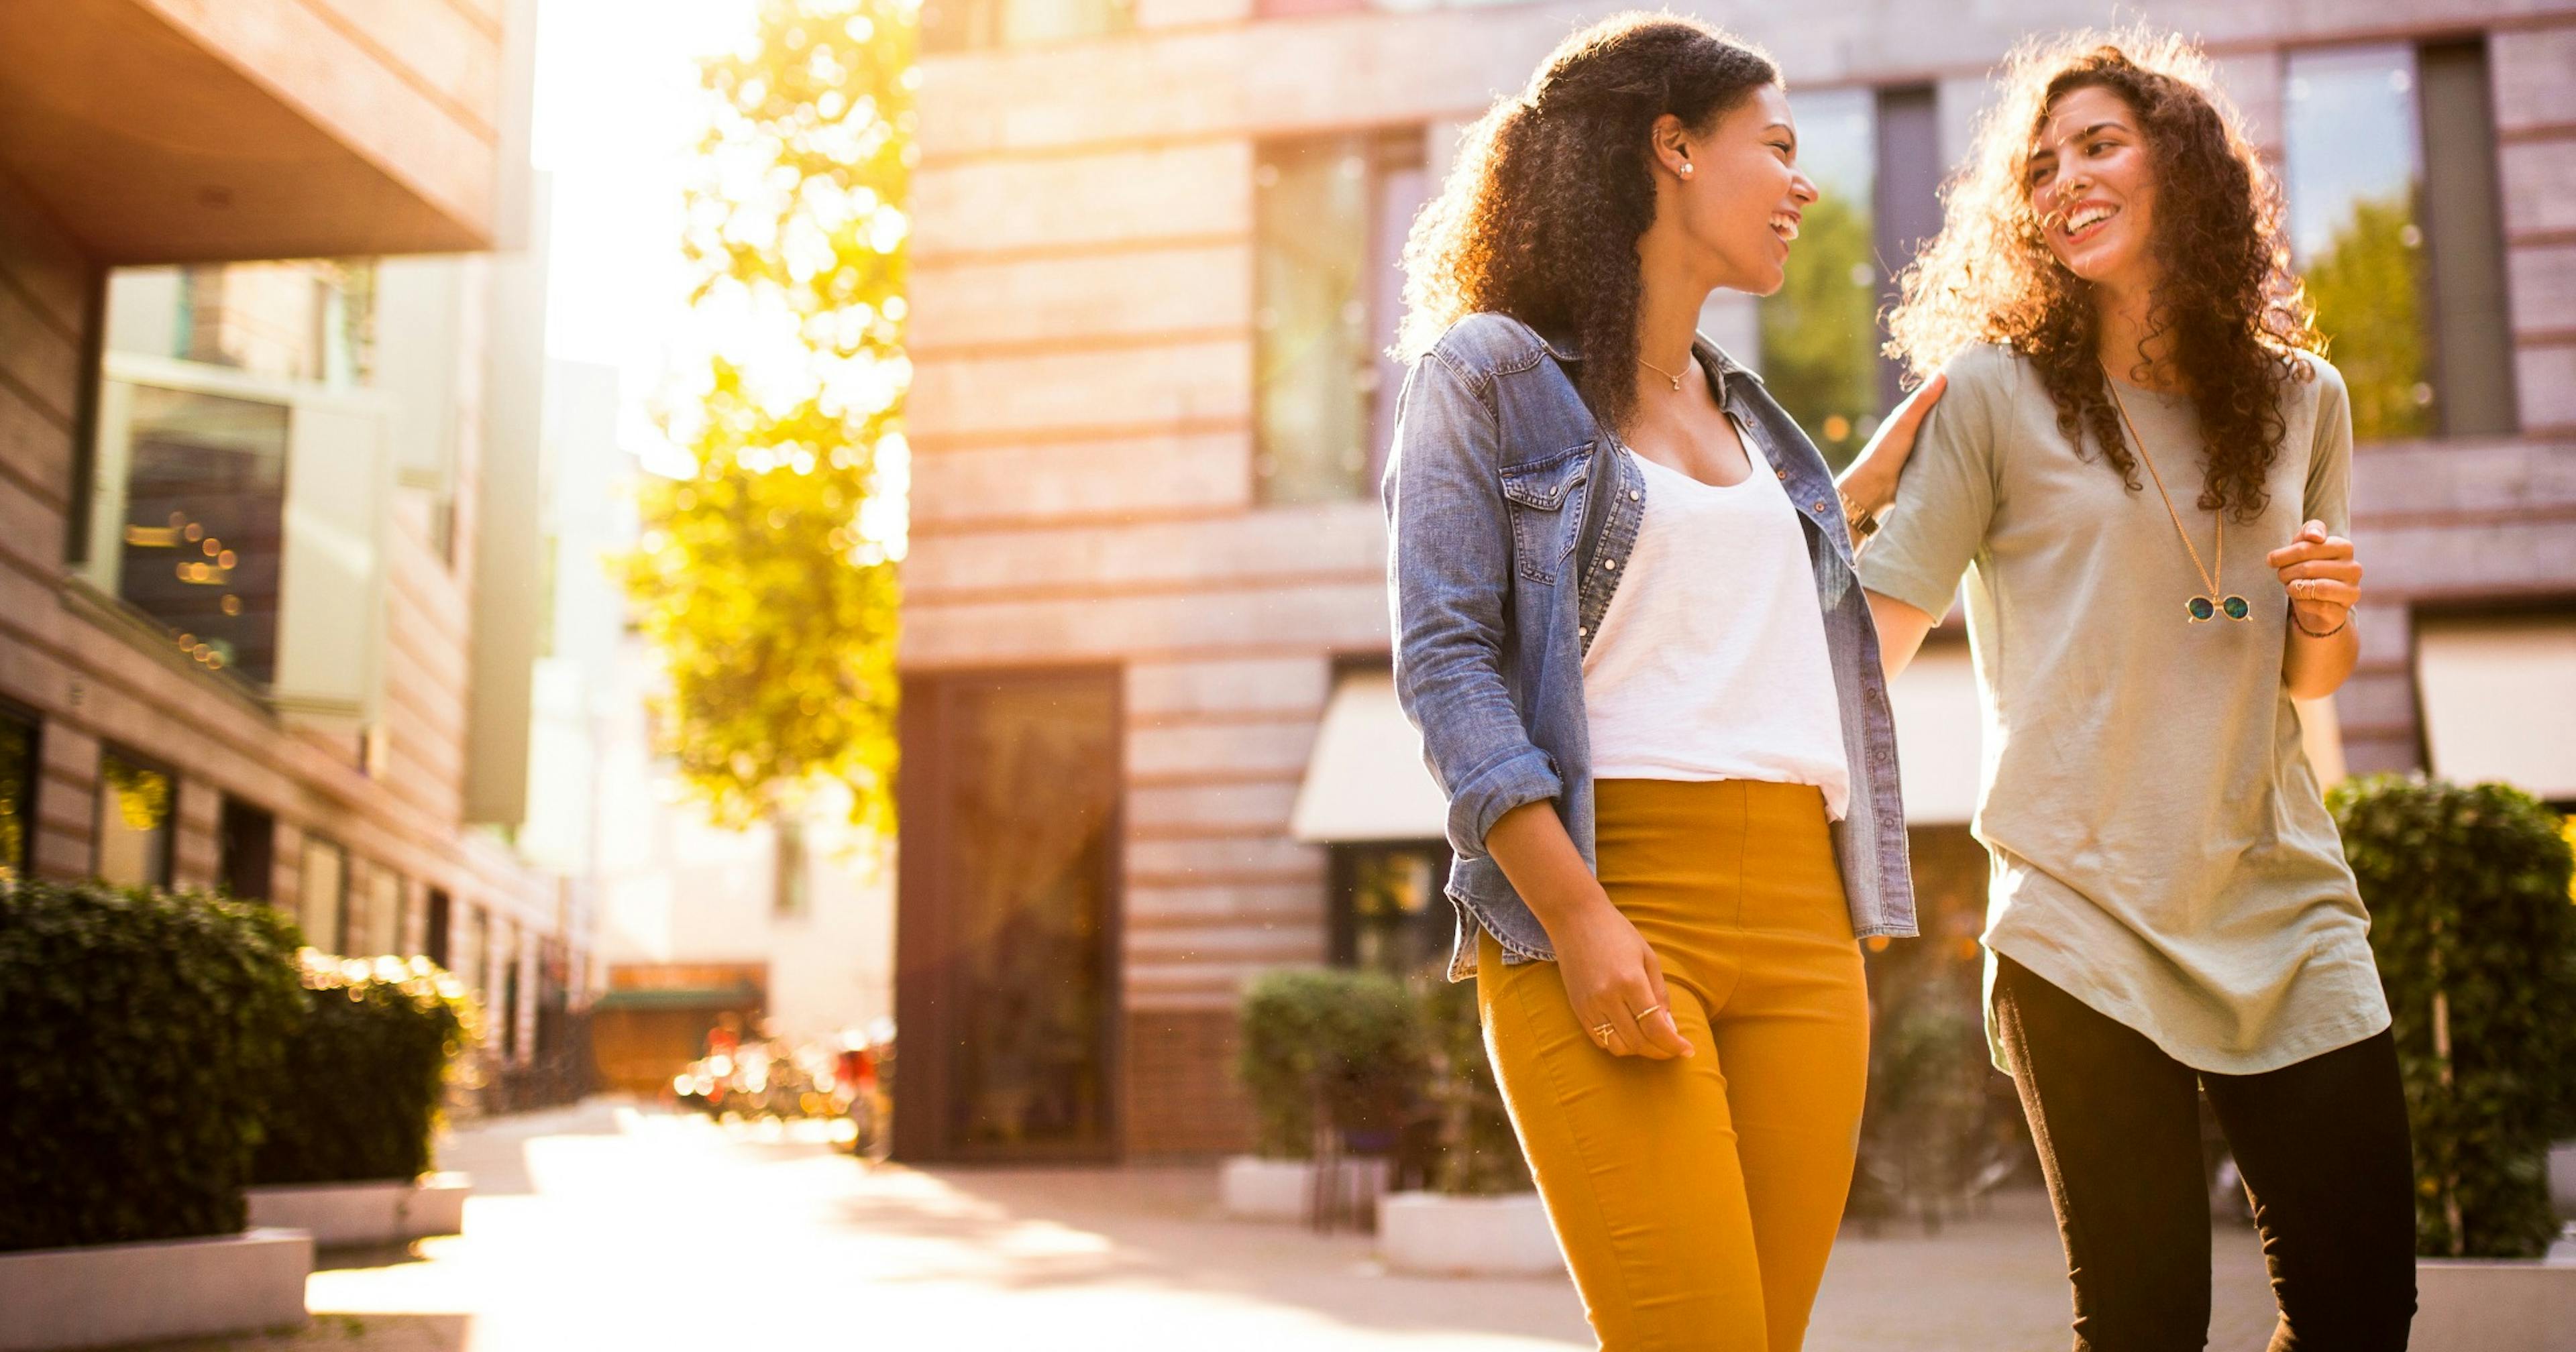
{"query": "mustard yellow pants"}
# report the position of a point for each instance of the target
(1696, 1199)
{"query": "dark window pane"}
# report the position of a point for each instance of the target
(2472, 329)
(205, 498)
(436, 942)
(17, 795)
(1907, 208)
(247, 845)
(1390, 913)
(2354, 232)
(1820, 330)
(135, 802)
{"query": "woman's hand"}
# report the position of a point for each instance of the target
(1870, 484)
(1616, 983)
(2321, 576)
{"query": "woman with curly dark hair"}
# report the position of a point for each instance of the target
(1628, 629)
(2143, 467)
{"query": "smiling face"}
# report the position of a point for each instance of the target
(1739, 205)
(2092, 183)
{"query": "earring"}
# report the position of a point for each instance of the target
(1685, 168)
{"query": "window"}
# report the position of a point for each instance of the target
(380, 918)
(1330, 218)
(136, 800)
(2403, 265)
(1389, 912)
(1875, 157)
(191, 509)
(435, 938)
(18, 764)
(977, 25)
(246, 850)
(322, 896)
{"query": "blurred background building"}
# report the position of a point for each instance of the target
(275, 600)
(1149, 738)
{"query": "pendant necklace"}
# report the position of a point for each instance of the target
(1676, 380)
(2214, 602)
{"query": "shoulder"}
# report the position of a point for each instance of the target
(1488, 343)
(2314, 381)
(1985, 370)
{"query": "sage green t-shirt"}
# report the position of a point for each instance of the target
(2160, 848)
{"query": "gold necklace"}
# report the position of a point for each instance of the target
(1675, 379)
(2214, 602)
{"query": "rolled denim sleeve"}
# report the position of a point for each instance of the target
(1449, 582)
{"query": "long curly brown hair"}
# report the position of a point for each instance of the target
(2227, 297)
(1553, 188)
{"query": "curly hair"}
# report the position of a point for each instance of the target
(1553, 188)
(2225, 292)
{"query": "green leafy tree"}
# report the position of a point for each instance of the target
(1820, 330)
(767, 578)
(2368, 289)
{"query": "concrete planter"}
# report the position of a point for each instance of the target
(340, 1214)
(2562, 1179)
(2493, 1305)
(1250, 1188)
(1430, 1234)
(97, 1295)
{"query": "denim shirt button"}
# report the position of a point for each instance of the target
(1609, 563)
(1582, 631)
(1633, 495)
(1820, 504)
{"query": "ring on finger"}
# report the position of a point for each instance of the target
(1648, 1012)
(1601, 1034)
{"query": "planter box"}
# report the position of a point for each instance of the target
(1254, 1189)
(1429, 1234)
(102, 1294)
(2493, 1305)
(2562, 1179)
(339, 1214)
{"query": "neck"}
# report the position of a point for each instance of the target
(2122, 313)
(1667, 315)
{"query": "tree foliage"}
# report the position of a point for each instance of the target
(767, 578)
(1820, 330)
(2368, 289)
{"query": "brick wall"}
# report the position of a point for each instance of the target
(1181, 1095)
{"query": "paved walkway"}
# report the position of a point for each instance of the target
(612, 1226)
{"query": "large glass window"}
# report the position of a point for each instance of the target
(2355, 170)
(194, 497)
(18, 762)
(1331, 214)
(974, 25)
(137, 801)
(322, 904)
(246, 845)
(1819, 332)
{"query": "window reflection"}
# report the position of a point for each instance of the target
(2356, 236)
(1819, 332)
(134, 828)
(203, 523)
(1394, 917)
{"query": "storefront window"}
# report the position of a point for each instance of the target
(246, 843)
(135, 803)
(2354, 171)
(1390, 914)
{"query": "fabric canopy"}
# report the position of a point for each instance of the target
(1366, 779)
(2499, 701)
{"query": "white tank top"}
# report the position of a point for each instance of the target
(1711, 660)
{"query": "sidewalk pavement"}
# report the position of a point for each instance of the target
(617, 1226)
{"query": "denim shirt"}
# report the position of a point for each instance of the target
(1510, 508)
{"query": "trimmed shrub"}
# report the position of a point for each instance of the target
(1474, 1150)
(1343, 1039)
(2476, 941)
(146, 1032)
(365, 1072)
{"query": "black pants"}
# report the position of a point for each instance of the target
(2322, 1145)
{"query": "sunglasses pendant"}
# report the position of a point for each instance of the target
(2201, 608)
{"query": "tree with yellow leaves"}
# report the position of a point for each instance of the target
(767, 577)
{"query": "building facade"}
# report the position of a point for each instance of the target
(1147, 739)
(270, 606)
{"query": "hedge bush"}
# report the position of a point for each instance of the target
(365, 1072)
(145, 1034)
(1349, 1039)
(2476, 941)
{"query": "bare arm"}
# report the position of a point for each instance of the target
(1901, 630)
(2324, 582)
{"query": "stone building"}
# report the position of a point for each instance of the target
(1149, 740)
(270, 600)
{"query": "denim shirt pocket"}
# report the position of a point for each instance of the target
(1546, 497)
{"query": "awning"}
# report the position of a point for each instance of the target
(2499, 701)
(1939, 734)
(1366, 779)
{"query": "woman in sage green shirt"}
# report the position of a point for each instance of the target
(2143, 468)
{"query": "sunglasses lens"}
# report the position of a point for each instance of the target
(2237, 609)
(2201, 609)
